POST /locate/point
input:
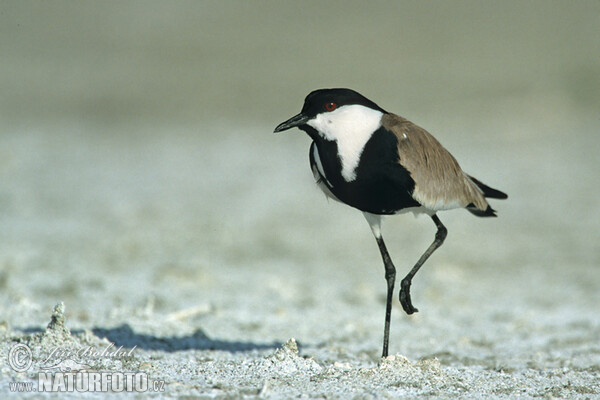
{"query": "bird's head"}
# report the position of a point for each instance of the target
(330, 111)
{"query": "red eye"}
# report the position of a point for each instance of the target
(330, 106)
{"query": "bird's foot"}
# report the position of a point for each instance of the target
(405, 297)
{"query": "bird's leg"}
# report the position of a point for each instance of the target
(374, 221)
(390, 277)
(440, 235)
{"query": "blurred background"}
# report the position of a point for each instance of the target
(194, 63)
(139, 172)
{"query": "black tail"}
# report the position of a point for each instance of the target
(488, 191)
(489, 211)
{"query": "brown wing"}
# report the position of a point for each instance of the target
(440, 183)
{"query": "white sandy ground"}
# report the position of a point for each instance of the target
(207, 251)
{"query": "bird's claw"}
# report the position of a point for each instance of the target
(405, 298)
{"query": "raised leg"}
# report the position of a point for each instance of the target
(440, 235)
(390, 276)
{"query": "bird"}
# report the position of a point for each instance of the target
(382, 164)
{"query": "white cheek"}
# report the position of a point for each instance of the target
(351, 128)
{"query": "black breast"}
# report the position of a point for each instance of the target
(382, 185)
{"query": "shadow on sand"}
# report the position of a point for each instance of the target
(124, 336)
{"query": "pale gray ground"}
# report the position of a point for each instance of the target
(176, 224)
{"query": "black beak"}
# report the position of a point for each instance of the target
(296, 120)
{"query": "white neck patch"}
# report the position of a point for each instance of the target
(351, 128)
